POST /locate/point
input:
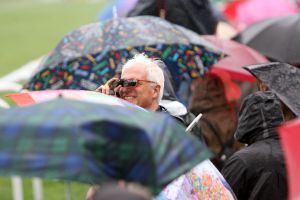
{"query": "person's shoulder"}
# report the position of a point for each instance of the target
(176, 117)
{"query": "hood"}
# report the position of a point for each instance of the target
(169, 93)
(214, 90)
(259, 115)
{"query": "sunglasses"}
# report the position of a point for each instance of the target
(129, 82)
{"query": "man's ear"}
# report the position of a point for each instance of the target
(157, 91)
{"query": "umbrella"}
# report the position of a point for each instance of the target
(203, 182)
(289, 137)
(90, 55)
(243, 13)
(33, 97)
(283, 79)
(238, 55)
(93, 143)
(121, 8)
(275, 38)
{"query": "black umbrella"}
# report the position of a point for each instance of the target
(276, 38)
(283, 79)
(197, 15)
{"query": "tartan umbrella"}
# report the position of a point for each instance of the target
(93, 143)
(90, 55)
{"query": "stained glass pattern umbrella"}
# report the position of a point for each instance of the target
(90, 55)
(33, 97)
(93, 143)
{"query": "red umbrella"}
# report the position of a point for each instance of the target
(239, 55)
(290, 138)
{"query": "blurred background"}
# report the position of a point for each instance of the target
(29, 30)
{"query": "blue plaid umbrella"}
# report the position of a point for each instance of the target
(94, 143)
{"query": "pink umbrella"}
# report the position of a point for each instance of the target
(245, 12)
(290, 138)
(33, 97)
(239, 55)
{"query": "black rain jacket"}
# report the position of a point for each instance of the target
(258, 171)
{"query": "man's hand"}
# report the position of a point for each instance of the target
(107, 88)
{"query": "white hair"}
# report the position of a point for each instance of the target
(154, 72)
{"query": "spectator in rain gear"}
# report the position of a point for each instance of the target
(258, 170)
(196, 15)
(219, 119)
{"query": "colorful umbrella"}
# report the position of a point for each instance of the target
(33, 97)
(90, 55)
(239, 55)
(275, 38)
(289, 137)
(203, 182)
(283, 79)
(93, 143)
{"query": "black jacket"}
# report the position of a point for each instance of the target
(258, 171)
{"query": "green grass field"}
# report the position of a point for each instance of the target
(30, 29)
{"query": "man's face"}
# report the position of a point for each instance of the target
(145, 94)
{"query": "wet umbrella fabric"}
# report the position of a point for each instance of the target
(94, 143)
(275, 38)
(90, 55)
(283, 79)
(203, 182)
(289, 137)
(239, 55)
(240, 13)
(33, 97)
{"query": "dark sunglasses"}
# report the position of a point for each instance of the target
(129, 82)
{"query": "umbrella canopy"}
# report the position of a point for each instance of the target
(33, 97)
(242, 13)
(283, 79)
(275, 38)
(90, 55)
(203, 182)
(289, 137)
(94, 143)
(239, 55)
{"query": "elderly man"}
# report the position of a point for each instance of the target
(141, 83)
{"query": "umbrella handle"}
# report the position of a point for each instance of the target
(193, 123)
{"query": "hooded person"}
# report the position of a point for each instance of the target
(215, 96)
(258, 170)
